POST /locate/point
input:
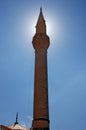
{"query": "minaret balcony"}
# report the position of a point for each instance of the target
(41, 41)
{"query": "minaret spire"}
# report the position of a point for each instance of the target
(41, 26)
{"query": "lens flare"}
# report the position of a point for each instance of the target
(52, 26)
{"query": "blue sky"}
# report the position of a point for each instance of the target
(66, 61)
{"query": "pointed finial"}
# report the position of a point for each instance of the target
(41, 9)
(16, 119)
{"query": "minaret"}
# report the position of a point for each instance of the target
(41, 108)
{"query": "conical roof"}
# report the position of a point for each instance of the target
(41, 26)
(41, 17)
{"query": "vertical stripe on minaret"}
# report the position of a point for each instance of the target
(41, 108)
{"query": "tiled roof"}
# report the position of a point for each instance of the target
(2, 127)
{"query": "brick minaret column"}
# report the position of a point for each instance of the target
(40, 44)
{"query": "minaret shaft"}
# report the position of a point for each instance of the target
(41, 110)
(41, 87)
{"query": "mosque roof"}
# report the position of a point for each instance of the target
(16, 125)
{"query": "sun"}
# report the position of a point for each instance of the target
(52, 26)
(50, 23)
